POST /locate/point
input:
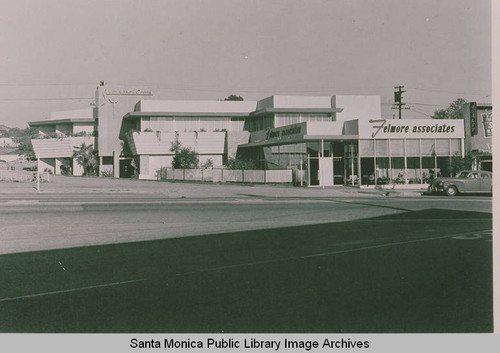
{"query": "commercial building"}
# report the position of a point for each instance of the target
(478, 123)
(325, 140)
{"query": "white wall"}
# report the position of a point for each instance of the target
(83, 127)
(157, 162)
(77, 168)
(363, 108)
(195, 106)
(302, 102)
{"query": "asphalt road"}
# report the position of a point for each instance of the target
(268, 265)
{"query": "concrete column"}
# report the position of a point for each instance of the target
(116, 164)
(57, 168)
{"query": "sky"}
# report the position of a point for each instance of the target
(55, 52)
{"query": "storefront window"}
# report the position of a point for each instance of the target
(381, 148)
(366, 148)
(367, 171)
(428, 168)
(428, 148)
(414, 172)
(398, 169)
(456, 147)
(313, 149)
(413, 148)
(383, 170)
(397, 148)
(443, 147)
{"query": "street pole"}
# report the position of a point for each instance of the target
(38, 175)
(398, 98)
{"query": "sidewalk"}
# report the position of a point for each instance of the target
(108, 187)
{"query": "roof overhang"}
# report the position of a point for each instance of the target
(135, 115)
(60, 121)
(296, 110)
(301, 139)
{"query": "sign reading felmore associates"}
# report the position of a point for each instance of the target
(391, 129)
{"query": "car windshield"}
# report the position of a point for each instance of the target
(463, 175)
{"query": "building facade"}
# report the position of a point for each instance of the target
(326, 140)
(478, 122)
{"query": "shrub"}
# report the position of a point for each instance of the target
(107, 173)
(86, 156)
(241, 163)
(184, 157)
(209, 163)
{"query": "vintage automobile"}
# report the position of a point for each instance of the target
(467, 181)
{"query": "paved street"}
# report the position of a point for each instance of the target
(246, 261)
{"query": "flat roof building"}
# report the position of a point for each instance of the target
(325, 140)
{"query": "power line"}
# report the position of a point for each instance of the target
(46, 99)
(445, 91)
(34, 83)
(430, 105)
(420, 112)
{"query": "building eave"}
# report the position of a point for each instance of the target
(296, 110)
(136, 115)
(60, 121)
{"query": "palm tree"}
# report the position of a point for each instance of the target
(86, 156)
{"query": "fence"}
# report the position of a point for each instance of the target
(225, 175)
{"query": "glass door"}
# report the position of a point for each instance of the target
(351, 163)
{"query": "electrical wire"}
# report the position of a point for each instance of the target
(46, 99)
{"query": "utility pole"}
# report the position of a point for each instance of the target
(398, 99)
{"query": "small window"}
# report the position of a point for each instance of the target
(107, 160)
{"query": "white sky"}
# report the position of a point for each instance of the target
(53, 50)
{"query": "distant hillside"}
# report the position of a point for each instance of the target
(3, 127)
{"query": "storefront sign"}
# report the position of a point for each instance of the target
(473, 119)
(387, 129)
(286, 132)
(487, 120)
(136, 92)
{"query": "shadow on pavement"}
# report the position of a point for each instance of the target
(398, 273)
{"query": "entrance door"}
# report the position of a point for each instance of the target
(326, 171)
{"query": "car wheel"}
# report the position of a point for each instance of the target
(451, 191)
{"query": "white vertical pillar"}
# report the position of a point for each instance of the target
(38, 175)
(301, 177)
(406, 163)
(308, 171)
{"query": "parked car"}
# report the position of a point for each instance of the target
(467, 181)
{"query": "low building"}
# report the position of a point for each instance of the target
(59, 136)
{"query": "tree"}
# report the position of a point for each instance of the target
(454, 111)
(86, 156)
(23, 138)
(233, 97)
(459, 163)
(184, 157)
